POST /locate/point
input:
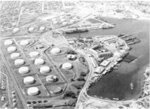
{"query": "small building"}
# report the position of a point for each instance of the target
(99, 70)
(105, 54)
(105, 63)
(71, 41)
(42, 28)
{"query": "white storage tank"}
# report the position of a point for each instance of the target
(28, 80)
(32, 91)
(44, 69)
(57, 90)
(11, 49)
(55, 51)
(14, 55)
(33, 54)
(8, 42)
(67, 66)
(24, 42)
(39, 61)
(23, 70)
(19, 62)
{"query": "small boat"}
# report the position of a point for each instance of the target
(131, 86)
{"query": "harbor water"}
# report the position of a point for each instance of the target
(126, 82)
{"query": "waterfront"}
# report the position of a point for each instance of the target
(126, 82)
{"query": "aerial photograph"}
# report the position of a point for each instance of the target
(74, 54)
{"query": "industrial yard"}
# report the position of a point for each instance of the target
(74, 54)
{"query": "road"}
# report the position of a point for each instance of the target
(91, 69)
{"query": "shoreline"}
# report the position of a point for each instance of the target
(138, 55)
(136, 97)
